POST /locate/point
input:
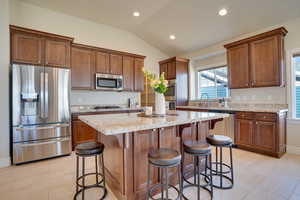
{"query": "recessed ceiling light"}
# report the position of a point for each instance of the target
(223, 12)
(172, 37)
(136, 14)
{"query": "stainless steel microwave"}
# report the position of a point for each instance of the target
(109, 82)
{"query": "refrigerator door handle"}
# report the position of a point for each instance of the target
(46, 95)
(42, 94)
(43, 127)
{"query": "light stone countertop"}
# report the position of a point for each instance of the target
(90, 108)
(244, 108)
(113, 124)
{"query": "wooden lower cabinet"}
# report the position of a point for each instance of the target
(261, 132)
(126, 158)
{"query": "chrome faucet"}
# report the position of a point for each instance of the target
(204, 94)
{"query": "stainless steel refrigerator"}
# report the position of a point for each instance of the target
(40, 113)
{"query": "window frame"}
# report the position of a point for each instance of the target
(198, 82)
(292, 89)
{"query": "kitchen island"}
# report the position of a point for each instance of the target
(129, 137)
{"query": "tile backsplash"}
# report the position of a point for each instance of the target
(102, 97)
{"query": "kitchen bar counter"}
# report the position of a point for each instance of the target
(128, 138)
(240, 108)
(113, 124)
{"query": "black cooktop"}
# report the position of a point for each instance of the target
(106, 107)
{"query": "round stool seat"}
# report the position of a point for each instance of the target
(89, 148)
(164, 157)
(219, 140)
(196, 147)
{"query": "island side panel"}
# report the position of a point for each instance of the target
(143, 142)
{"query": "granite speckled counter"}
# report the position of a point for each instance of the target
(113, 124)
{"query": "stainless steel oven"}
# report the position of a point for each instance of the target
(171, 92)
(109, 82)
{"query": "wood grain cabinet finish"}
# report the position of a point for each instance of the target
(265, 136)
(238, 63)
(39, 48)
(57, 53)
(257, 61)
(81, 133)
(261, 132)
(265, 70)
(138, 74)
(128, 73)
(116, 64)
(27, 48)
(244, 132)
(102, 62)
(176, 68)
(83, 66)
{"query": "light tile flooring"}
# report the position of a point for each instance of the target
(257, 177)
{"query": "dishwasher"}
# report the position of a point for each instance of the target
(226, 126)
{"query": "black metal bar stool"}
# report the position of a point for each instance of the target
(164, 159)
(198, 149)
(220, 141)
(84, 150)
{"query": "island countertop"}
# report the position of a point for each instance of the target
(113, 124)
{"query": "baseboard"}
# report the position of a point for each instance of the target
(293, 149)
(4, 162)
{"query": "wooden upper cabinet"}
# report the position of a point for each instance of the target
(83, 64)
(138, 74)
(171, 70)
(57, 53)
(27, 48)
(116, 64)
(128, 73)
(102, 62)
(238, 63)
(265, 62)
(164, 68)
(257, 61)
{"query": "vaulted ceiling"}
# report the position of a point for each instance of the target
(195, 23)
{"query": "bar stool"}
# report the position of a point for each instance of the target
(220, 141)
(198, 149)
(83, 151)
(164, 159)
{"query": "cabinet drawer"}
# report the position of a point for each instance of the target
(245, 115)
(266, 116)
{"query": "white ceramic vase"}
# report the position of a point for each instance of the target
(160, 104)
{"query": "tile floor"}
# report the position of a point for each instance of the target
(257, 177)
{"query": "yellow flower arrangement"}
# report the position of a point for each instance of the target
(159, 85)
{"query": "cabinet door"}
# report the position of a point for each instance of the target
(203, 131)
(82, 68)
(264, 135)
(116, 64)
(102, 62)
(27, 49)
(138, 74)
(265, 62)
(81, 132)
(172, 70)
(144, 142)
(164, 68)
(238, 66)
(57, 53)
(244, 132)
(128, 73)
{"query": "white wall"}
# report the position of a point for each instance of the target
(4, 86)
(89, 33)
(215, 55)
